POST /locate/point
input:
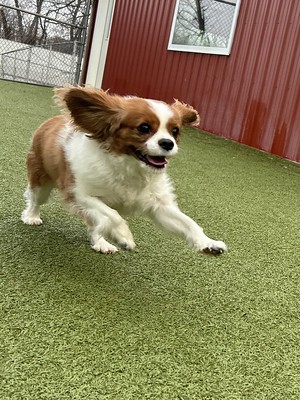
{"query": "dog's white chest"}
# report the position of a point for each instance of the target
(119, 181)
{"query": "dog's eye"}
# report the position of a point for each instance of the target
(144, 128)
(175, 132)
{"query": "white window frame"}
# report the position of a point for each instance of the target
(204, 49)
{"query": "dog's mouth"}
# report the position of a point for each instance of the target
(157, 162)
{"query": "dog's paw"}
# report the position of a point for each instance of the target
(122, 235)
(30, 219)
(104, 247)
(213, 247)
(127, 244)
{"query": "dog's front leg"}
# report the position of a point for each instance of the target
(104, 222)
(173, 220)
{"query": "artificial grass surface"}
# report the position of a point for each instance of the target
(161, 322)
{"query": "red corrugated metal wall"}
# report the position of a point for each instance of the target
(252, 96)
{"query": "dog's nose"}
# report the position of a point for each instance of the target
(166, 144)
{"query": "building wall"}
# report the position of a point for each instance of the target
(251, 96)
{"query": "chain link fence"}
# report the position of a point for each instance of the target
(40, 49)
(204, 22)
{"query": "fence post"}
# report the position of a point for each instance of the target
(75, 59)
(14, 69)
(28, 64)
(48, 65)
(82, 41)
(1, 67)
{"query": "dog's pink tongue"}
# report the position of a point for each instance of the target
(158, 161)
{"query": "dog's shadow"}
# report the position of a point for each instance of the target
(63, 243)
(56, 261)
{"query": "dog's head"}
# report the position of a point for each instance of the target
(145, 129)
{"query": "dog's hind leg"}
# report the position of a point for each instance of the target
(39, 185)
(34, 198)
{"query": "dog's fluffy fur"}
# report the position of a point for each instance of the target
(107, 155)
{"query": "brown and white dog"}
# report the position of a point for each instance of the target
(107, 155)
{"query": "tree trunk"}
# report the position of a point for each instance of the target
(200, 16)
(20, 22)
(6, 28)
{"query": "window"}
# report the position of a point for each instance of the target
(204, 26)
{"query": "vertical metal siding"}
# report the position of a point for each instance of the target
(252, 96)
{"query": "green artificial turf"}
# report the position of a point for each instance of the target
(162, 322)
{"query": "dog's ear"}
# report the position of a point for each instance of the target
(189, 116)
(94, 111)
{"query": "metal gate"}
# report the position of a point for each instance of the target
(43, 45)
